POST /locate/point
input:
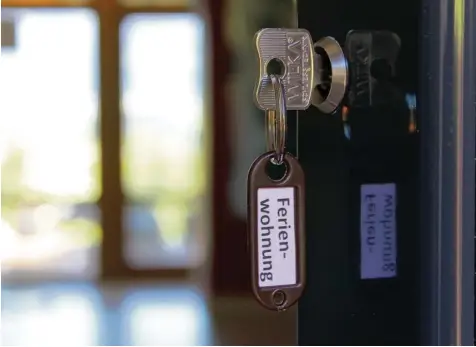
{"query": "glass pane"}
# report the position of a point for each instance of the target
(158, 3)
(49, 145)
(50, 3)
(163, 151)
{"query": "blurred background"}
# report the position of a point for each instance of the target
(127, 130)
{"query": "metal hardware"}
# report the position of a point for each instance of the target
(314, 74)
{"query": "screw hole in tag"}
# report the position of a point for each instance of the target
(279, 298)
(276, 172)
(275, 67)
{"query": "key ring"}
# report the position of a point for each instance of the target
(276, 122)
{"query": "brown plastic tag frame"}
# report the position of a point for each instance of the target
(279, 297)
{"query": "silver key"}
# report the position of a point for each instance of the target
(294, 50)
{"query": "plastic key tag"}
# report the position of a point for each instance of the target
(276, 218)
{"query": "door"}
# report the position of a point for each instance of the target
(390, 178)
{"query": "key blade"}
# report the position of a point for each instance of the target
(294, 49)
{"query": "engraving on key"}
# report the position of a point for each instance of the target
(294, 49)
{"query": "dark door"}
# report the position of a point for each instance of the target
(390, 177)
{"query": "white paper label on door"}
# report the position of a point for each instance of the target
(276, 237)
(378, 231)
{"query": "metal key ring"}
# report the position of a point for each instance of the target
(276, 122)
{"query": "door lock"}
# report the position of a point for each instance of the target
(314, 74)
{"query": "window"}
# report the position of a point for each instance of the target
(163, 150)
(66, 104)
(50, 168)
(161, 3)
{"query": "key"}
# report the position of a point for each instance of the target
(276, 219)
(302, 69)
(292, 50)
(276, 228)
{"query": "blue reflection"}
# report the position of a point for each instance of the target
(411, 101)
(345, 121)
(84, 315)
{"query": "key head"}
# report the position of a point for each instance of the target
(294, 51)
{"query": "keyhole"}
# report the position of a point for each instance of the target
(325, 73)
(275, 67)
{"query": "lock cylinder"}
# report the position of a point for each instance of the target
(331, 75)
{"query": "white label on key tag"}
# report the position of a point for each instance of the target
(378, 243)
(276, 237)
